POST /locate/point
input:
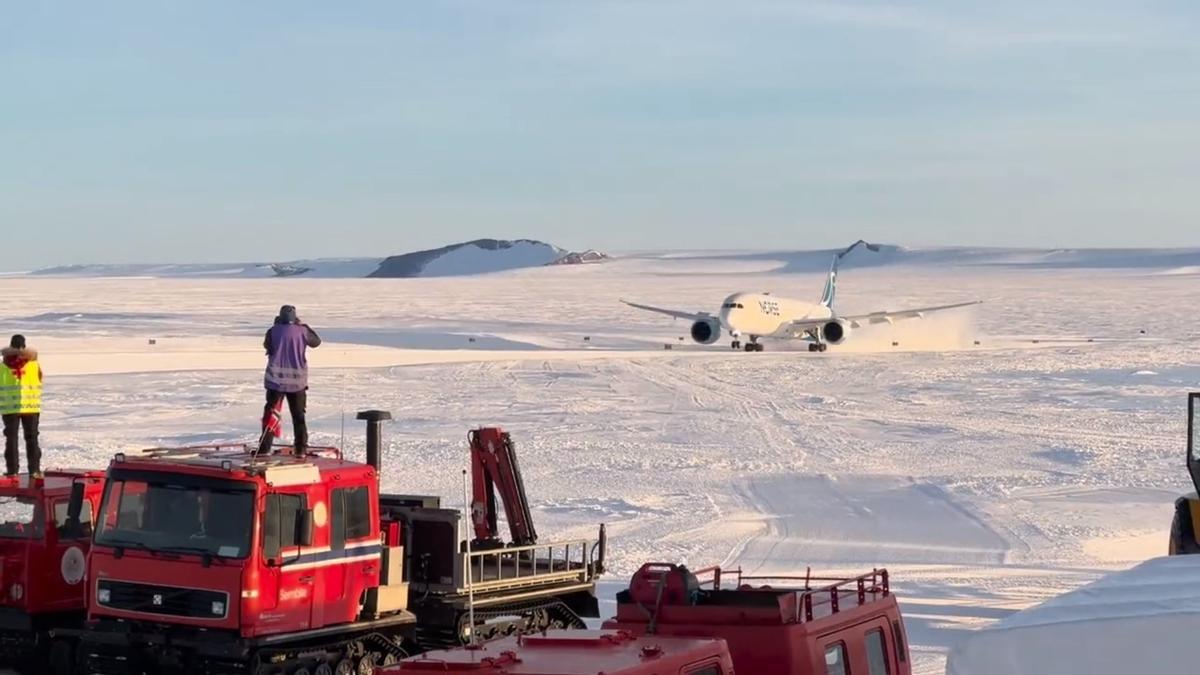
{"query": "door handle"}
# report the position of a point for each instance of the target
(305, 580)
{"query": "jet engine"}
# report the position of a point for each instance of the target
(835, 332)
(706, 331)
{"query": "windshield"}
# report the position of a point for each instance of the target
(20, 518)
(161, 515)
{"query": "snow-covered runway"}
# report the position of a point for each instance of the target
(985, 477)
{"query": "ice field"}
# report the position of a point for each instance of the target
(986, 477)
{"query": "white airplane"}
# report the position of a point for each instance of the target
(762, 315)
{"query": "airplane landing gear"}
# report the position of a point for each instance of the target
(817, 346)
(737, 344)
(754, 346)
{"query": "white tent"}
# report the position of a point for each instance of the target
(1143, 621)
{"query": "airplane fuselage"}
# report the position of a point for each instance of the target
(762, 314)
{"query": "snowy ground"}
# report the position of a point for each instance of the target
(987, 477)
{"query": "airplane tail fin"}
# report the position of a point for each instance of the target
(830, 291)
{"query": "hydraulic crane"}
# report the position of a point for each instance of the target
(494, 466)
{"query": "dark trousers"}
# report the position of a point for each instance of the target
(297, 401)
(33, 454)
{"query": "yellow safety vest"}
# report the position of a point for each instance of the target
(21, 395)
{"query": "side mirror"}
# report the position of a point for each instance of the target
(73, 526)
(304, 527)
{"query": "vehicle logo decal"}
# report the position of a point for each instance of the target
(73, 566)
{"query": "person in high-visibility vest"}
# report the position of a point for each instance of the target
(21, 405)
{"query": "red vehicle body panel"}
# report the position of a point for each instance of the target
(577, 652)
(40, 571)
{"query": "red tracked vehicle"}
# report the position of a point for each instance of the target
(218, 561)
(830, 626)
(43, 562)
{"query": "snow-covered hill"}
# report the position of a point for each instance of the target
(473, 257)
(587, 257)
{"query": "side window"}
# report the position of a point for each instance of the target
(877, 660)
(279, 524)
(898, 640)
(85, 520)
(835, 659)
(351, 516)
(123, 507)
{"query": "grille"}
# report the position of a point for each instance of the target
(188, 602)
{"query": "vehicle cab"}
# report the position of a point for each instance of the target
(43, 556)
(221, 539)
(773, 625)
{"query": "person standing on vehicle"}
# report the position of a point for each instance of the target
(287, 373)
(21, 406)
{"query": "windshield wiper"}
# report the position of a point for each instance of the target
(207, 555)
(121, 544)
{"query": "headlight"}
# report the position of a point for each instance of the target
(218, 608)
(17, 591)
(103, 595)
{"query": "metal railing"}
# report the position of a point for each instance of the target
(811, 599)
(535, 565)
(235, 450)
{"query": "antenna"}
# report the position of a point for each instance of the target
(470, 568)
(342, 443)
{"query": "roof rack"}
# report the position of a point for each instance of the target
(195, 450)
(825, 597)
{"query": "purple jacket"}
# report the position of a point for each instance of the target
(287, 366)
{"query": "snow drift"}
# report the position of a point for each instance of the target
(1142, 620)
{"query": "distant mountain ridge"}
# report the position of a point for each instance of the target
(483, 256)
(480, 256)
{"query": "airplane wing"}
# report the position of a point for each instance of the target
(800, 327)
(690, 316)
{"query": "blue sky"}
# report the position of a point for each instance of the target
(208, 131)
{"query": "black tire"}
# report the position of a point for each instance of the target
(62, 658)
(1183, 534)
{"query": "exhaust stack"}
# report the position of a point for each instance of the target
(374, 420)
